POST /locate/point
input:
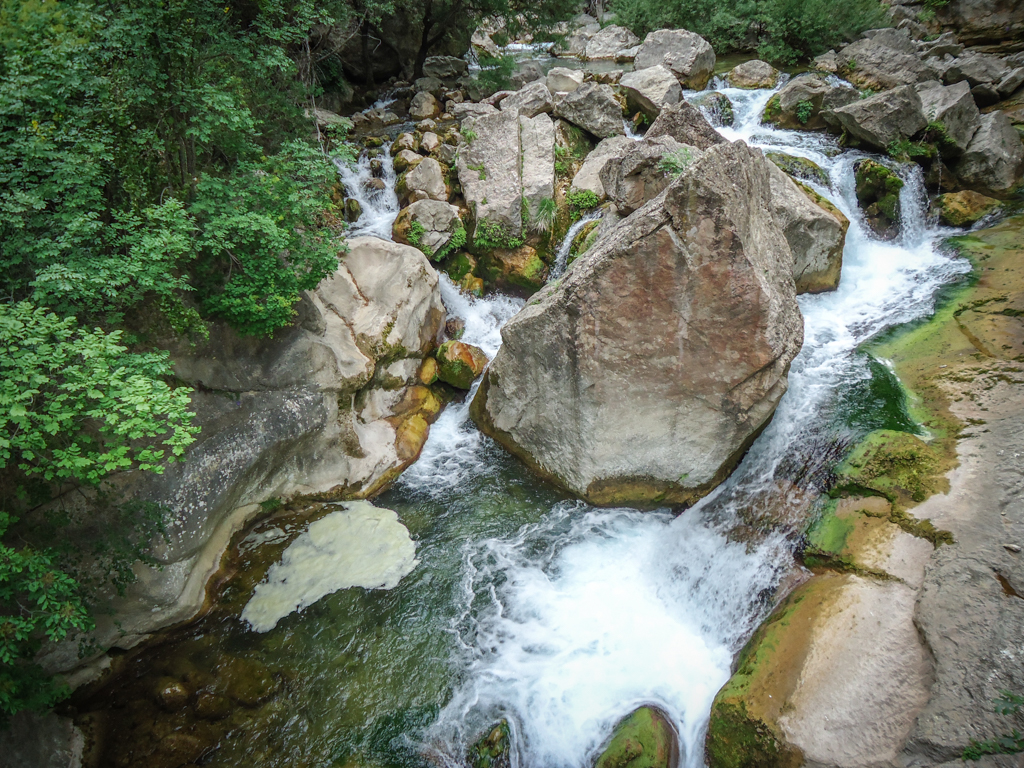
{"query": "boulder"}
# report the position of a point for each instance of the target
(896, 39)
(644, 170)
(716, 108)
(489, 172)
(1010, 84)
(800, 103)
(994, 160)
(871, 63)
(645, 739)
(946, 44)
(483, 45)
(684, 123)
(606, 43)
(537, 138)
(530, 101)
(799, 168)
(827, 62)
(518, 268)
(953, 107)
(588, 177)
(460, 364)
(650, 90)
(884, 118)
(527, 71)
(445, 67)
(643, 376)
(432, 226)
(403, 161)
(561, 79)
(424, 106)
(961, 209)
(977, 69)
(627, 55)
(594, 108)
(429, 85)
(426, 178)
(983, 22)
(404, 141)
(878, 193)
(816, 234)
(686, 54)
(753, 74)
(430, 143)
(582, 29)
(469, 109)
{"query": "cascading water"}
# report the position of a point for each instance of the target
(374, 190)
(562, 257)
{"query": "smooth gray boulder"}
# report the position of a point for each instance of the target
(800, 103)
(871, 63)
(640, 173)
(816, 235)
(439, 222)
(424, 106)
(564, 79)
(977, 69)
(685, 123)
(426, 180)
(884, 118)
(753, 74)
(954, 107)
(529, 101)
(643, 376)
(445, 67)
(686, 54)
(594, 108)
(994, 160)
(469, 109)
(537, 138)
(489, 172)
(606, 43)
(588, 177)
(650, 90)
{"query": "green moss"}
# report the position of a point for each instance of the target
(491, 236)
(582, 200)
(890, 464)
(492, 751)
(642, 740)
(736, 740)
(415, 235)
(479, 168)
(799, 167)
(829, 532)
(771, 110)
(878, 191)
(457, 240)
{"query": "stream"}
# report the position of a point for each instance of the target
(532, 606)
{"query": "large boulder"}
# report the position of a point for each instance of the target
(489, 172)
(432, 226)
(651, 90)
(425, 181)
(953, 107)
(529, 101)
(644, 170)
(445, 67)
(643, 376)
(800, 103)
(594, 108)
(537, 138)
(753, 74)
(460, 364)
(816, 234)
(983, 22)
(976, 69)
(994, 160)
(884, 118)
(961, 209)
(685, 123)
(609, 41)
(424, 106)
(564, 79)
(686, 54)
(875, 63)
(588, 177)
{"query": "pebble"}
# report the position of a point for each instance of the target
(1012, 547)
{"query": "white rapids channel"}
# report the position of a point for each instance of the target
(572, 622)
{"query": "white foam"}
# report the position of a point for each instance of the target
(358, 546)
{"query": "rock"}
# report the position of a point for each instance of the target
(884, 118)
(954, 107)
(519, 267)
(489, 171)
(247, 681)
(650, 90)
(171, 694)
(594, 108)
(424, 106)
(483, 45)
(430, 143)
(827, 62)
(684, 123)
(985, 95)
(606, 43)
(404, 141)
(799, 167)
(945, 44)
(460, 364)
(627, 55)
(994, 160)
(326, 121)
(492, 750)
(353, 210)
(716, 108)
(527, 71)
(961, 209)
(425, 126)
(403, 161)
(561, 79)
(429, 85)
(816, 235)
(686, 54)
(640, 173)
(896, 39)
(871, 63)
(432, 226)
(977, 69)
(537, 139)
(1010, 84)
(588, 177)
(468, 109)
(32, 740)
(645, 739)
(799, 104)
(446, 153)
(428, 178)
(753, 74)
(600, 388)
(531, 101)
(445, 67)
(878, 192)
(210, 706)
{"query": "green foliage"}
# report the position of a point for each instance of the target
(469, 135)
(1011, 743)
(458, 240)
(582, 199)
(479, 168)
(785, 30)
(491, 236)
(416, 232)
(804, 112)
(547, 211)
(674, 163)
(496, 72)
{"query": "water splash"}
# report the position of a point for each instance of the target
(562, 257)
(375, 194)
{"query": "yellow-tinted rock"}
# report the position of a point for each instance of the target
(959, 209)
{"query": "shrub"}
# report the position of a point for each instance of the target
(804, 112)
(674, 163)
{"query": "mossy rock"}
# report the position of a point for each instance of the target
(520, 267)
(799, 167)
(247, 681)
(896, 465)
(878, 192)
(460, 364)
(717, 107)
(458, 265)
(492, 751)
(961, 209)
(645, 739)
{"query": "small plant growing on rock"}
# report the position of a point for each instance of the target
(469, 135)
(546, 211)
(1010, 743)
(804, 112)
(674, 163)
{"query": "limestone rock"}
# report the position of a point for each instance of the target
(1011, 83)
(954, 107)
(684, 123)
(799, 167)
(994, 160)
(977, 69)
(460, 364)
(983, 22)
(643, 376)
(594, 108)
(650, 90)
(537, 137)
(588, 177)
(430, 143)
(424, 106)
(518, 268)
(647, 737)
(468, 109)
(445, 67)
(404, 141)
(753, 74)
(561, 79)
(530, 101)
(799, 104)
(403, 161)
(961, 209)
(686, 54)
(716, 108)
(871, 63)
(426, 178)
(489, 171)
(438, 223)
(827, 62)
(884, 118)
(483, 44)
(609, 41)
(431, 85)
(815, 234)
(638, 175)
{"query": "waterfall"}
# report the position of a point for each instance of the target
(379, 205)
(562, 257)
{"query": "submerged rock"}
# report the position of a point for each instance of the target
(460, 364)
(645, 739)
(644, 375)
(492, 750)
